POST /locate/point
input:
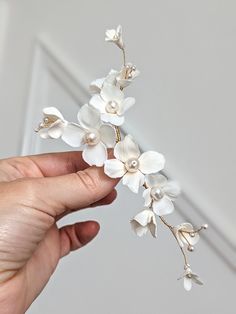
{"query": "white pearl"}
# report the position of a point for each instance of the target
(190, 248)
(92, 138)
(112, 107)
(48, 121)
(132, 165)
(156, 193)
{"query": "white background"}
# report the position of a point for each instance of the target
(49, 52)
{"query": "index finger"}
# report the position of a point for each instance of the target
(57, 164)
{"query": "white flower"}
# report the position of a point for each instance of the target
(122, 78)
(160, 193)
(97, 85)
(127, 74)
(53, 124)
(112, 104)
(115, 36)
(186, 235)
(144, 221)
(95, 136)
(132, 165)
(189, 277)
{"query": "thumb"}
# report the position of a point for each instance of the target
(54, 195)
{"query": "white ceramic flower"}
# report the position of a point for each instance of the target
(112, 104)
(115, 36)
(160, 193)
(189, 277)
(144, 221)
(95, 136)
(122, 78)
(132, 165)
(127, 74)
(53, 124)
(186, 235)
(97, 85)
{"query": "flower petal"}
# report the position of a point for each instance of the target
(163, 207)
(153, 227)
(89, 117)
(110, 92)
(126, 149)
(139, 230)
(187, 239)
(52, 111)
(186, 226)
(43, 133)
(111, 77)
(143, 217)
(73, 135)
(110, 34)
(126, 104)
(56, 129)
(95, 155)
(108, 135)
(172, 189)
(133, 180)
(196, 279)
(187, 283)
(112, 118)
(123, 82)
(114, 168)
(97, 102)
(147, 197)
(151, 162)
(153, 180)
(96, 85)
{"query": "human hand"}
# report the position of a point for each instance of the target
(35, 192)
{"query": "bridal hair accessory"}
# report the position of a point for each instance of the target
(97, 129)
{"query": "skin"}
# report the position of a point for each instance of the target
(35, 192)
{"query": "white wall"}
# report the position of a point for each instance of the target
(185, 109)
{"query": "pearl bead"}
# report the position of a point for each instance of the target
(92, 138)
(156, 193)
(190, 248)
(192, 234)
(112, 107)
(189, 275)
(132, 165)
(48, 121)
(205, 226)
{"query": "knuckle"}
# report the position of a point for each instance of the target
(89, 181)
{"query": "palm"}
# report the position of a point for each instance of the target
(47, 254)
(36, 243)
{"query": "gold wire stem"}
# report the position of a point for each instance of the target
(118, 135)
(124, 56)
(181, 249)
(117, 129)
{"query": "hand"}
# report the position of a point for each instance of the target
(35, 192)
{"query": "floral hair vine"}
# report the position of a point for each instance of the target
(98, 129)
